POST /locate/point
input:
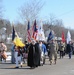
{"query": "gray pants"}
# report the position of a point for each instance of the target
(12, 57)
(42, 61)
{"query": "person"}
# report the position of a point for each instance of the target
(37, 43)
(48, 47)
(3, 49)
(13, 54)
(42, 52)
(18, 57)
(72, 47)
(25, 52)
(26, 46)
(69, 49)
(61, 49)
(33, 55)
(0, 56)
(53, 51)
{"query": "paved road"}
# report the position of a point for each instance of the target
(64, 66)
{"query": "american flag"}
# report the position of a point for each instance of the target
(28, 32)
(35, 31)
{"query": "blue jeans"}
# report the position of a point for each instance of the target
(70, 54)
(12, 57)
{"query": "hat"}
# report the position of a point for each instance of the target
(55, 38)
(32, 40)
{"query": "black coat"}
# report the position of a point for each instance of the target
(69, 48)
(33, 55)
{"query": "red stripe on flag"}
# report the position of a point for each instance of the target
(29, 36)
(28, 33)
(35, 30)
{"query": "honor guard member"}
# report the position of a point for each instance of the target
(61, 49)
(53, 51)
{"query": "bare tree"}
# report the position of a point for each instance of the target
(1, 9)
(51, 19)
(30, 10)
(1, 15)
(54, 21)
(58, 22)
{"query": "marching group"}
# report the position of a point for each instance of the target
(35, 52)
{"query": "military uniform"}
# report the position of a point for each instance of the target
(53, 51)
(61, 49)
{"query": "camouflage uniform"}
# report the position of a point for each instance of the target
(61, 49)
(53, 51)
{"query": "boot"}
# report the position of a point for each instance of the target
(54, 61)
(50, 62)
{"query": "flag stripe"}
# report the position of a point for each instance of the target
(35, 30)
(28, 32)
